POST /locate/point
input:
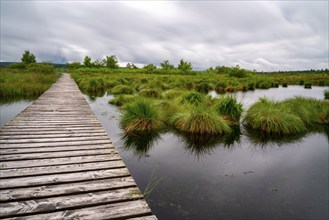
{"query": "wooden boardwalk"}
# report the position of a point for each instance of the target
(57, 162)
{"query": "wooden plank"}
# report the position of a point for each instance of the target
(5, 151)
(68, 201)
(121, 210)
(65, 189)
(56, 144)
(58, 161)
(55, 169)
(43, 136)
(62, 178)
(55, 154)
(43, 140)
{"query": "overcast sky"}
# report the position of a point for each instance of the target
(261, 35)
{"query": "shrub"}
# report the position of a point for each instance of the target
(19, 66)
(199, 120)
(308, 85)
(251, 86)
(265, 85)
(204, 87)
(41, 68)
(229, 107)
(122, 89)
(326, 94)
(273, 118)
(193, 98)
(140, 116)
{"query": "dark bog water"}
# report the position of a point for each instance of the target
(238, 177)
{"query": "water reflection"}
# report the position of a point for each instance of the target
(139, 143)
(264, 140)
(94, 95)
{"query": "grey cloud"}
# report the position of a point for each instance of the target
(256, 35)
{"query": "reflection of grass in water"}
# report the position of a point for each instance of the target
(140, 143)
(201, 144)
(263, 140)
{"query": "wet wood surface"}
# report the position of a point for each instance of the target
(57, 162)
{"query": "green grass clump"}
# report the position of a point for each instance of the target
(142, 115)
(199, 120)
(308, 85)
(229, 107)
(122, 89)
(172, 94)
(273, 118)
(326, 94)
(285, 85)
(150, 93)
(120, 100)
(204, 87)
(194, 98)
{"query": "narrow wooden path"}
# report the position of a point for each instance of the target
(57, 162)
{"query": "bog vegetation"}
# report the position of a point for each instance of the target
(159, 98)
(27, 79)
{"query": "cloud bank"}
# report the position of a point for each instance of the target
(266, 36)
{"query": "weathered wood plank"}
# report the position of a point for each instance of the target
(121, 210)
(43, 136)
(65, 189)
(58, 161)
(68, 201)
(56, 144)
(43, 140)
(62, 178)
(55, 154)
(55, 169)
(5, 151)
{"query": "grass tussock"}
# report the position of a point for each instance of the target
(142, 115)
(272, 117)
(194, 98)
(121, 100)
(122, 89)
(150, 93)
(229, 107)
(199, 120)
(326, 94)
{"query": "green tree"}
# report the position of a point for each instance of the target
(131, 66)
(111, 62)
(165, 65)
(87, 62)
(28, 57)
(74, 65)
(184, 66)
(99, 63)
(150, 68)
